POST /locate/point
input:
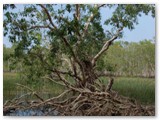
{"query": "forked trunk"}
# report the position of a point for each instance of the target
(90, 75)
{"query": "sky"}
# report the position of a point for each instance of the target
(144, 30)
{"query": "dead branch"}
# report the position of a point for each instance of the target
(91, 103)
(106, 46)
(33, 92)
(51, 99)
(109, 86)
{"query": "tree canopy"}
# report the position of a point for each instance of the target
(52, 33)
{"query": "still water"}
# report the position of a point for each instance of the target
(45, 89)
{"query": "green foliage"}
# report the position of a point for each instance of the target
(6, 6)
(7, 52)
(131, 59)
(19, 23)
(8, 58)
(40, 45)
(127, 15)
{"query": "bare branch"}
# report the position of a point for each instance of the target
(109, 86)
(105, 46)
(63, 38)
(53, 80)
(90, 19)
(74, 56)
(71, 49)
(66, 73)
(62, 78)
(34, 27)
(100, 5)
(74, 69)
(78, 11)
(109, 33)
(51, 99)
(87, 91)
(87, 24)
(33, 92)
(48, 15)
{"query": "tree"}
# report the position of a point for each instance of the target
(7, 57)
(147, 48)
(69, 34)
(130, 58)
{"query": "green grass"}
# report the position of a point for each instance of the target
(9, 84)
(141, 89)
(11, 90)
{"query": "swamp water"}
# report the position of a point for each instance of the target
(12, 91)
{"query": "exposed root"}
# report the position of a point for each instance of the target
(83, 102)
(87, 103)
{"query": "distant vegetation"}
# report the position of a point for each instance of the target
(122, 59)
(130, 59)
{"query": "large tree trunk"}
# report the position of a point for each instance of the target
(90, 75)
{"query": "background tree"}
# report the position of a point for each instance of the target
(130, 59)
(8, 57)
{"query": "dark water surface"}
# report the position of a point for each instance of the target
(40, 111)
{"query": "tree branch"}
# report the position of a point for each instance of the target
(48, 15)
(78, 11)
(87, 23)
(74, 69)
(34, 27)
(64, 39)
(66, 73)
(90, 19)
(109, 86)
(100, 5)
(105, 46)
(53, 80)
(33, 92)
(51, 99)
(62, 79)
(74, 56)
